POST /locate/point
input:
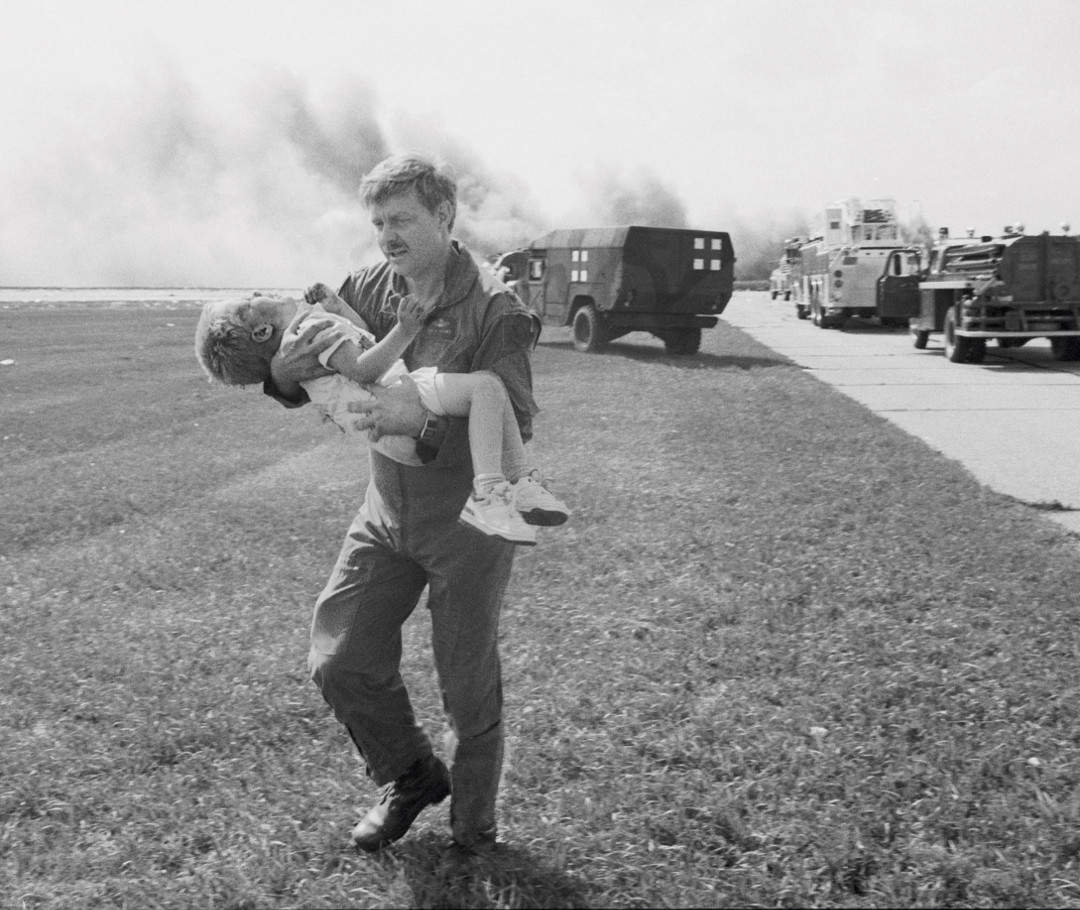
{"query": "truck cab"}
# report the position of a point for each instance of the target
(897, 292)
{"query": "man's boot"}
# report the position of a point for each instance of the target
(426, 783)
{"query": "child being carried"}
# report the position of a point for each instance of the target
(236, 340)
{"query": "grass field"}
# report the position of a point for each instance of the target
(782, 655)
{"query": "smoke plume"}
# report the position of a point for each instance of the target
(169, 185)
(759, 246)
(612, 196)
(496, 211)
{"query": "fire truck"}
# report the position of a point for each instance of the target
(608, 282)
(780, 279)
(1010, 288)
(840, 270)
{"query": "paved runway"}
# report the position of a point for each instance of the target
(1012, 421)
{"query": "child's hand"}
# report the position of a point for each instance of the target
(410, 314)
(317, 293)
(321, 295)
(331, 302)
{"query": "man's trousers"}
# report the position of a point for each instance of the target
(407, 537)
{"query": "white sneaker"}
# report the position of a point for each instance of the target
(535, 502)
(492, 512)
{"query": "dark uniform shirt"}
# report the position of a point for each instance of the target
(477, 324)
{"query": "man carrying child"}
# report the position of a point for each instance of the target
(407, 536)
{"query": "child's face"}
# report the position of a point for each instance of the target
(268, 317)
(277, 311)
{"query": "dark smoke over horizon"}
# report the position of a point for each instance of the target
(171, 186)
(612, 197)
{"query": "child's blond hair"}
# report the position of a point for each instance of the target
(224, 346)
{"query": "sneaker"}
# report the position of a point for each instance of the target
(492, 512)
(535, 503)
(426, 783)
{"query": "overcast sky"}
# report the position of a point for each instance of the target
(220, 143)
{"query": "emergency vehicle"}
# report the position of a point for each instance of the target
(781, 278)
(839, 270)
(1010, 288)
(608, 282)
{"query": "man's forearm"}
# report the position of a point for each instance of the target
(282, 387)
(284, 391)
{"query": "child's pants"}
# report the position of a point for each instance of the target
(406, 536)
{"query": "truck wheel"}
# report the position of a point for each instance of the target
(801, 311)
(920, 338)
(1065, 348)
(683, 341)
(590, 333)
(959, 349)
(774, 293)
(787, 295)
(819, 317)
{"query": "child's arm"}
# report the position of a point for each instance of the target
(332, 303)
(367, 366)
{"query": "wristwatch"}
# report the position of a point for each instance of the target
(430, 428)
(425, 444)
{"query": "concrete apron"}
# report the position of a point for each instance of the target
(1013, 421)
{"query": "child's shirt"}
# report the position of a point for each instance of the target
(332, 395)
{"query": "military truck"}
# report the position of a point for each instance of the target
(608, 282)
(1010, 288)
(839, 269)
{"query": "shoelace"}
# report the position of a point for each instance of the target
(523, 489)
(495, 494)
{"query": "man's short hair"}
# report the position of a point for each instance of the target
(401, 173)
(224, 346)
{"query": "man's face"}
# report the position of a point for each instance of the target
(413, 240)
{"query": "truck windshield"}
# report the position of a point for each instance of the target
(906, 264)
